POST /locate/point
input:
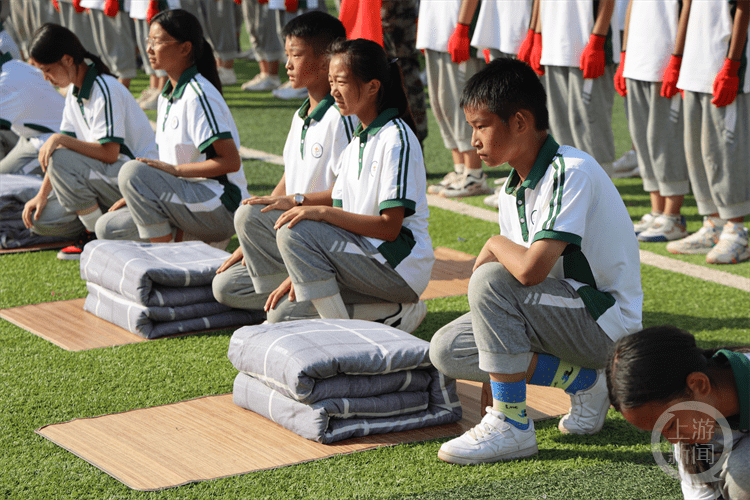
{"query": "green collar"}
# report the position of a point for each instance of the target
(320, 110)
(4, 58)
(741, 370)
(88, 82)
(185, 77)
(373, 128)
(543, 159)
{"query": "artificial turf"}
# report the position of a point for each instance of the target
(42, 384)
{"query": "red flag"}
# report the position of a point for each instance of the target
(361, 18)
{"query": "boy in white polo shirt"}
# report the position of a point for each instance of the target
(315, 141)
(552, 292)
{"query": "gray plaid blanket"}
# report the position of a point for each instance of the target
(329, 380)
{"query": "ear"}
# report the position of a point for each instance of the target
(699, 384)
(67, 60)
(372, 87)
(186, 48)
(521, 122)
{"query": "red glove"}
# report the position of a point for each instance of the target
(56, 5)
(620, 86)
(77, 6)
(111, 7)
(524, 51)
(238, 2)
(458, 44)
(536, 55)
(153, 9)
(291, 5)
(726, 84)
(671, 75)
(486, 54)
(592, 59)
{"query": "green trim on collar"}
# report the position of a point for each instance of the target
(741, 370)
(378, 123)
(4, 58)
(185, 77)
(4, 124)
(543, 160)
(88, 82)
(317, 114)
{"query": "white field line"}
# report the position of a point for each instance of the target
(648, 258)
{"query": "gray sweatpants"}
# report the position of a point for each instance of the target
(80, 24)
(717, 146)
(23, 159)
(508, 322)
(159, 201)
(55, 220)
(217, 18)
(82, 182)
(580, 111)
(263, 28)
(115, 42)
(656, 127)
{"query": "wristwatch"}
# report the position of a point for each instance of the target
(299, 199)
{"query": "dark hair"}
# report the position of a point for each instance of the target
(504, 87)
(51, 42)
(368, 61)
(318, 29)
(185, 27)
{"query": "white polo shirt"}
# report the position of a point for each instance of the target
(502, 25)
(383, 168)
(568, 197)
(29, 105)
(651, 36)
(566, 28)
(314, 146)
(103, 111)
(189, 120)
(706, 44)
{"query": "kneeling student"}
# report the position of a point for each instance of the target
(551, 294)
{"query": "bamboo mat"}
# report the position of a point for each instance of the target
(210, 437)
(67, 325)
(37, 248)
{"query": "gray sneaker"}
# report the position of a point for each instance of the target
(467, 185)
(449, 179)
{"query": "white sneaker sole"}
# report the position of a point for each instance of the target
(511, 455)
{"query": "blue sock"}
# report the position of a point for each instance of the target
(510, 399)
(551, 371)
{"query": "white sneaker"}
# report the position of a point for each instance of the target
(700, 242)
(646, 222)
(151, 101)
(665, 228)
(588, 408)
(227, 76)
(467, 185)
(626, 165)
(492, 199)
(449, 179)
(145, 94)
(263, 82)
(287, 92)
(732, 247)
(492, 440)
(408, 317)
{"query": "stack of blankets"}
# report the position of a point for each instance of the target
(15, 191)
(329, 380)
(157, 289)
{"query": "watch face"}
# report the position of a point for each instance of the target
(298, 199)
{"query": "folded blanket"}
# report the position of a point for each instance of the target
(150, 273)
(153, 322)
(329, 380)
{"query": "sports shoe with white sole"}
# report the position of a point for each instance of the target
(467, 185)
(732, 247)
(74, 251)
(588, 408)
(287, 92)
(646, 222)
(262, 82)
(492, 440)
(665, 228)
(700, 242)
(151, 101)
(449, 179)
(227, 76)
(491, 200)
(408, 317)
(626, 165)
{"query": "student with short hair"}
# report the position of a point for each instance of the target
(316, 139)
(652, 371)
(194, 188)
(551, 294)
(102, 127)
(365, 244)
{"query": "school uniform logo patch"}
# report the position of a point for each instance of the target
(174, 122)
(317, 150)
(373, 169)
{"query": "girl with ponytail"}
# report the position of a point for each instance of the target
(364, 252)
(651, 371)
(102, 127)
(193, 189)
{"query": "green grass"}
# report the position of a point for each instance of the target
(42, 384)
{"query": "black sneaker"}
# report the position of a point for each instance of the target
(73, 252)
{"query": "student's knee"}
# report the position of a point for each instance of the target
(245, 215)
(441, 350)
(289, 238)
(117, 225)
(63, 160)
(221, 287)
(488, 277)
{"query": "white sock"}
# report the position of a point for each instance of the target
(459, 168)
(374, 312)
(475, 172)
(331, 307)
(89, 220)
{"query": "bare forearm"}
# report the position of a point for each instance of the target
(108, 152)
(679, 45)
(603, 17)
(739, 30)
(371, 226)
(466, 13)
